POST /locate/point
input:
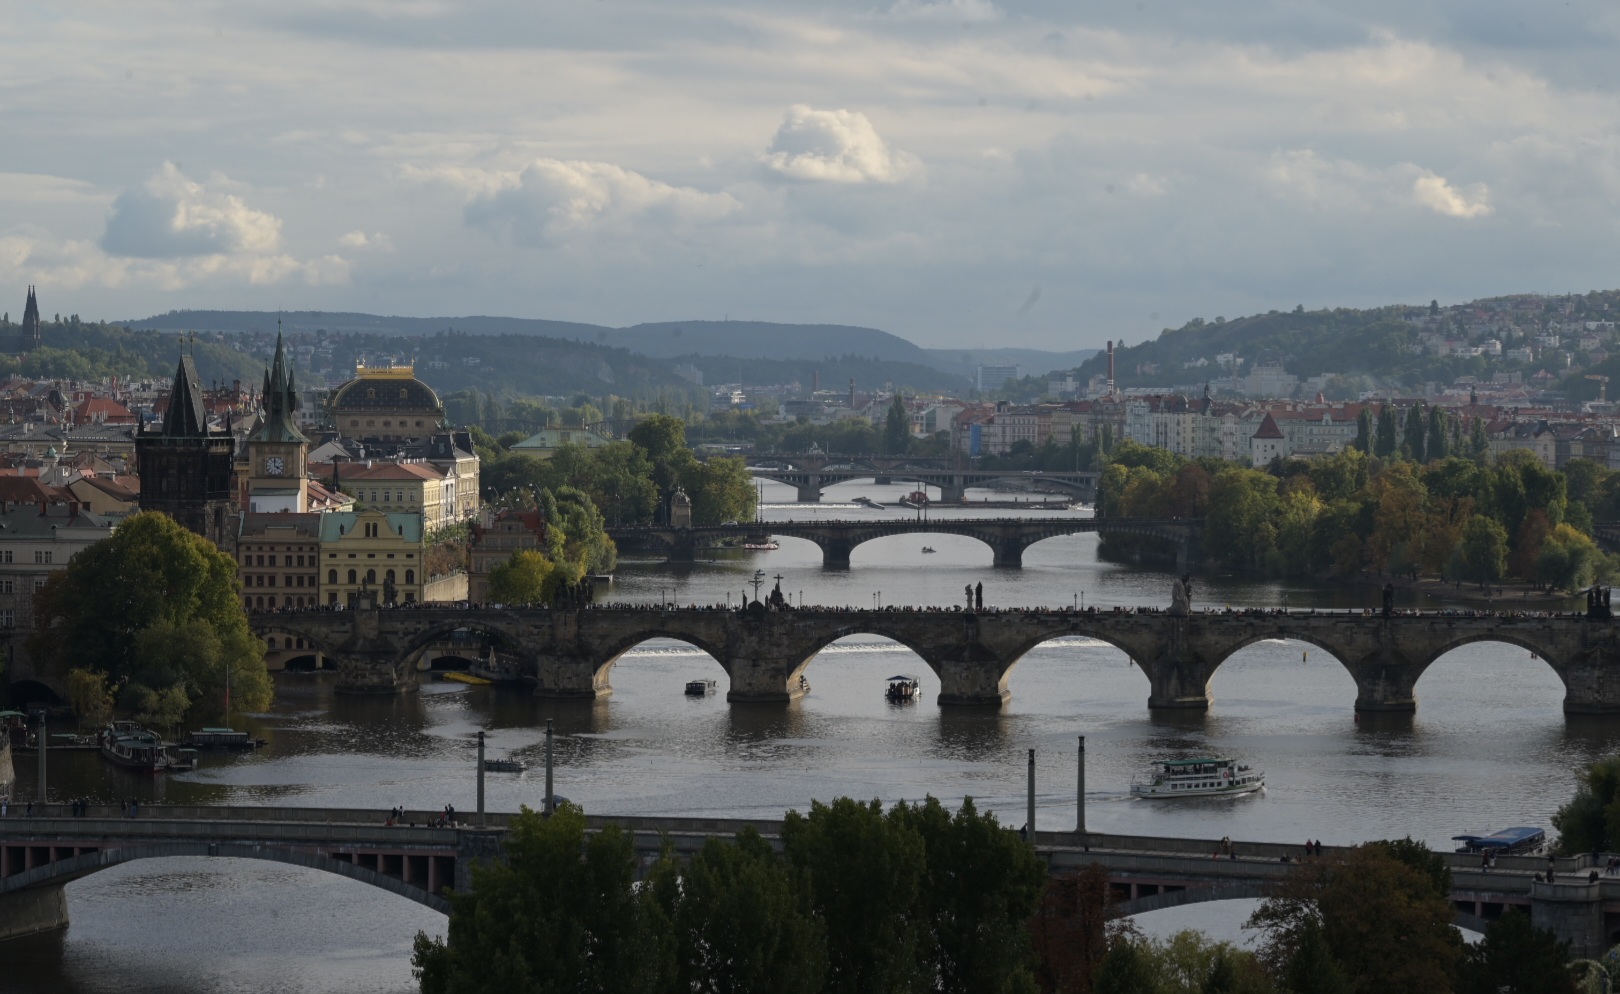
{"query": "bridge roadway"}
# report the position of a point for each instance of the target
(1006, 537)
(41, 854)
(570, 653)
(810, 475)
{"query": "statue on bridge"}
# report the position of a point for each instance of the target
(1181, 597)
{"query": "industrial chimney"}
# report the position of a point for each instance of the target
(1110, 367)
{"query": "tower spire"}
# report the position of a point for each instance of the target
(30, 321)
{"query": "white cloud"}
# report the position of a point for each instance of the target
(954, 11)
(358, 239)
(833, 146)
(549, 197)
(171, 216)
(1436, 193)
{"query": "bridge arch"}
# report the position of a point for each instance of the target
(806, 653)
(1505, 635)
(64, 871)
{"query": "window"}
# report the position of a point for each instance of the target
(331, 576)
(389, 576)
(300, 560)
(258, 580)
(410, 576)
(7, 619)
(331, 597)
(39, 585)
(300, 580)
(410, 598)
(351, 576)
(371, 576)
(261, 561)
(6, 587)
(272, 581)
(354, 423)
(5, 557)
(270, 643)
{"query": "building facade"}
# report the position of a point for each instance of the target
(372, 551)
(494, 539)
(387, 403)
(186, 467)
(278, 560)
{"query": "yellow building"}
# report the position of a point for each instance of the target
(372, 550)
(402, 488)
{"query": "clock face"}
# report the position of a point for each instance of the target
(275, 466)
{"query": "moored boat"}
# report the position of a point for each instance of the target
(1525, 840)
(1203, 776)
(127, 744)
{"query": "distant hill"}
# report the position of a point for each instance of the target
(1030, 362)
(1395, 345)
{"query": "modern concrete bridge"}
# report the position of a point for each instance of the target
(810, 474)
(40, 855)
(1006, 537)
(571, 653)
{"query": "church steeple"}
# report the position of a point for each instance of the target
(186, 416)
(280, 400)
(30, 321)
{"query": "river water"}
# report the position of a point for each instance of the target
(1489, 747)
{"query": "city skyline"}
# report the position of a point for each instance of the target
(947, 171)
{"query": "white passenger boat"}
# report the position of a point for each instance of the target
(1198, 777)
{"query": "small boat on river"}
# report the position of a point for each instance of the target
(761, 546)
(699, 688)
(902, 688)
(504, 766)
(1204, 776)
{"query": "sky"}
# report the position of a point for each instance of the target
(963, 173)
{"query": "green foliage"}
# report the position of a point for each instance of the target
(1481, 554)
(1127, 969)
(741, 920)
(1380, 912)
(897, 427)
(1590, 822)
(525, 578)
(87, 692)
(157, 607)
(1517, 957)
(547, 919)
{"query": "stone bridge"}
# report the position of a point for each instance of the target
(570, 653)
(811, 474)
(1006, 537)
(39, 855)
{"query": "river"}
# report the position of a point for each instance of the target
(1489, 747)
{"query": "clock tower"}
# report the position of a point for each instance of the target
(277, 450)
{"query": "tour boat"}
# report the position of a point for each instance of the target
(699, 688)
(1198, 777)
(761, 546)
(126, 744)
(902, 688)
(1521, 841)
(504, 766)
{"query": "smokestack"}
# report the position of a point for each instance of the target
(852, 393)
(1110, 367)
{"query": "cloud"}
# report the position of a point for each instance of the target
(953, 11)
(833, 146)
(1436, 193)
(171, 217)
(360, 240)
(549, 197)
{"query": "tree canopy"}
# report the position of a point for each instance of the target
(155, 608)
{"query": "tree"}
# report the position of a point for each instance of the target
(1364, 431)
(721, 489)
(1386, 923)
(981, 886)
(663, 438)
(157, 607)
(897, 427)
(1517, 957)
(1384, 446)
(523, 579)
(741, 920)
(864, 872)
(548, 919)
(1413, 438)
(1590, 822)
(1074, 928)
(1438, 443)
(1481, 555)
(1568, 560)
(87, 691)
(1127, 969)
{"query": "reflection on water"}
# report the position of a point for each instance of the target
(1489, 747)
